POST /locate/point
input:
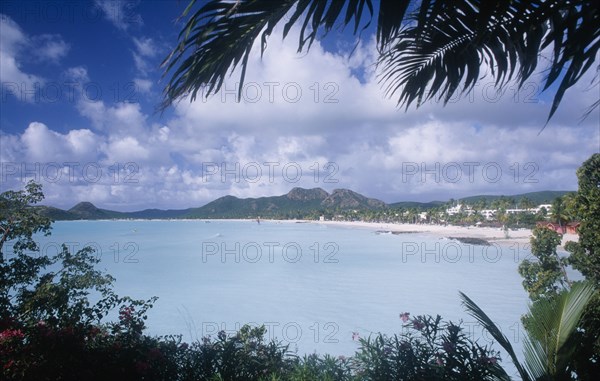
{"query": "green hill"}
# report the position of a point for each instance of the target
(543, 197)
(415, 204)
(297, 203)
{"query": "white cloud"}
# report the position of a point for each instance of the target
(13, 79)
(40, 143)
(127, 149)
(145, 54)
(142, 86)
(15, 47)
(118, 120)
(311, 113)
(121, 13)
(369, 139)
(12, 37)
(48, 47)
(145, 47)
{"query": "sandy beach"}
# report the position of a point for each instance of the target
(492, 235)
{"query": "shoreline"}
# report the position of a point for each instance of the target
(491, 235)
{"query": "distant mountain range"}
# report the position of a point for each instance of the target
(298, 203)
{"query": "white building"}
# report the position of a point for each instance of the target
(460, 208)
(489, 214)
(548, 208)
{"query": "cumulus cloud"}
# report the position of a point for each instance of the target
(121, 119)
(40, 143)
(127, 149)
(319, 120)
(316, 106)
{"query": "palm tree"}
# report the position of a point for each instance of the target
(559, 212)
(525, 203)
(550, 327)
(435, 49)
(570, 204)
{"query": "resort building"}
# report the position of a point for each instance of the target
(569, 228)
(489, 214)
(460, 208)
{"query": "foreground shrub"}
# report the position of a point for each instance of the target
(429, 350)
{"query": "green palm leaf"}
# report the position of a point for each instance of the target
(550, 324)
(487, 323)
(548, 345)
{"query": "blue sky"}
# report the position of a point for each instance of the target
(81, 80)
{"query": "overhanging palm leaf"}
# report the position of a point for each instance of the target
(435, 50)
(443, 50)
(219, 36)
(551, 323)
(487, 323)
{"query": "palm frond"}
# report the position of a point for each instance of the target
(214, 41)
(487, 323)
(431, 51)
(219, 37)
(536, 358)
(551, 324)
(447, 43)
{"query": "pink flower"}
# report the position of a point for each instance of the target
(10, 334)
(355, 336)
(404, 316)
(126, 314)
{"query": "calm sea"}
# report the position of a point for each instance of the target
(313, 286)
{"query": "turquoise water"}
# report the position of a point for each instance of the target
(312, 285)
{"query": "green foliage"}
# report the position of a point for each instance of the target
(243, 356)
(326, 368)
(430, 350)
(585, 254)
(42, 352)
(548, 286)
(48, 324)
(551, 325)
(18, 223)
(585, 257)
(560, 214)
(545, 276)
(551, 333)
(586, 359)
